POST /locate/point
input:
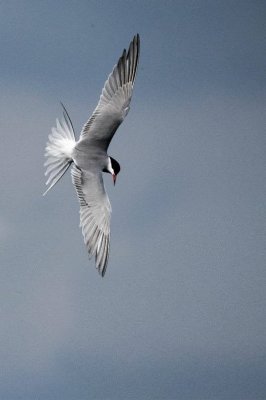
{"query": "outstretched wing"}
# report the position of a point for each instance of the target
(95, 214)
(114, 102)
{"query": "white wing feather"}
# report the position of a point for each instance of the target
(95, 214)
(114, 101)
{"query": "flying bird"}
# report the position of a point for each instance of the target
(88, 156)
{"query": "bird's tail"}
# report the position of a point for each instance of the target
(59, 149)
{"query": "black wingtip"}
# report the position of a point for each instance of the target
(102, 270)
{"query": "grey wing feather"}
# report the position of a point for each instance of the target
(114, 101)
(95, 214)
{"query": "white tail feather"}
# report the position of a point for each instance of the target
(58, 150)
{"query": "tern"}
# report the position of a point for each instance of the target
(88, 156)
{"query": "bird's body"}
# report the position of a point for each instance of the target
(89, 154)
(91, 160)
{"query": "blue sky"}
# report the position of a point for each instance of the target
(180, 313)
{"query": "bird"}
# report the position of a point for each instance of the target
(88, 155)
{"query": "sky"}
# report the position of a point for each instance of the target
(180, 313)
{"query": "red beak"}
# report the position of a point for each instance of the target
(114, 178)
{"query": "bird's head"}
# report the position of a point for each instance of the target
(112, 168)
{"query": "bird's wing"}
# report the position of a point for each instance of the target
(95, 214)
(114, 102)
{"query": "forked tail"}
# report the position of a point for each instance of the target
(58, 150)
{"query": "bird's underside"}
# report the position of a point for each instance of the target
(89, 154)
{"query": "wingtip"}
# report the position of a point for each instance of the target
(101, 270)
(137, 38)
(102, 273)
(102, 267)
